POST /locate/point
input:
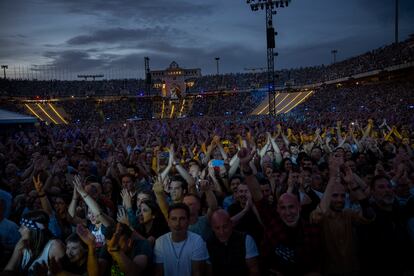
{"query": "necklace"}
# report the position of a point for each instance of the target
(178, 256)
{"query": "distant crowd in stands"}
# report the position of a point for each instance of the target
(394, 54)
(384, 99)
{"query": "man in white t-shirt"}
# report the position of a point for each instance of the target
(180, 252)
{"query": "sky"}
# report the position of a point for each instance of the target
(112, 37)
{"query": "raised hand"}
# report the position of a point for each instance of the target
(85, 235)
(204, 185)
(349, 175)
(77, 183)
(158, 186)
(38, 184)
(171, 152)
(113, 243)
(122, 216)
(126, 198)
(335, 162)
(249, 203)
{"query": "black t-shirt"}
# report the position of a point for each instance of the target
(248, 223)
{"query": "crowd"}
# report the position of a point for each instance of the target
(227, 104)
(378, 59)
(390, 100)
(328, 193)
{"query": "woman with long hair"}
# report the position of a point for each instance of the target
(36, 246)
(148, 221)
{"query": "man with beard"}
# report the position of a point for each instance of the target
(337, 223)
(385, 246)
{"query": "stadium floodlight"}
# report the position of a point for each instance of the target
(334, 52)
(4, 67)
(270, 6)
(217, 64)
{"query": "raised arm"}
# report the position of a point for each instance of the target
(158, 189)
(89, 240)
(127, 265)
(46, 206)
(276, 149)
(211, 199)
(106, 220)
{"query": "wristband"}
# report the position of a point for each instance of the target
(41, 195)
(116, 249)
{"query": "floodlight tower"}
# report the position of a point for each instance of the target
(147, 76)
(4, 67)
(270, 6)
(334, 52)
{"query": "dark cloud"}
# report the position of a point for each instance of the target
(158, 10)
(75, 60)
(116, 35)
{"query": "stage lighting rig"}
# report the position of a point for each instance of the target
(270, 6)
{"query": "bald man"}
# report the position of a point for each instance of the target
(291, 245)
(231, 252)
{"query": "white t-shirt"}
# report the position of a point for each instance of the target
(251, 248)
(176, 257)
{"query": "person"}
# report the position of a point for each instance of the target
(244, 214)
(9, 234)
(178, 188)
(235, 181)
(291, 245)
(125, 254)
(385, 244)
(36, 246)
(180, 252)
(80, 257)
(200, 224)
(340, 241)
(148, 221)
(231, 252)
(99, 221)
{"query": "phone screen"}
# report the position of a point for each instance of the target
(217, 163)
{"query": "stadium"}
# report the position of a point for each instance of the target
(301, 171)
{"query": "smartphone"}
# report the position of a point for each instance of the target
(217, 163)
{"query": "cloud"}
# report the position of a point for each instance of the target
(154, 10)
(233, 58)
(117, 35)
(74, 60)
